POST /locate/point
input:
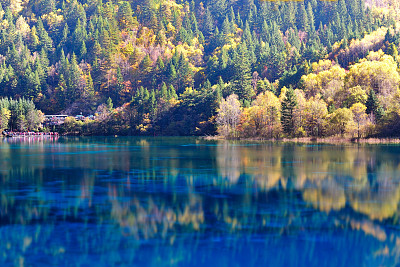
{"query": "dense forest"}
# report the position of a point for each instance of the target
(242, 68)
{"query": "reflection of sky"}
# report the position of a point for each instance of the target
(163, 201)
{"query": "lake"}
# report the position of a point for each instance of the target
(184, 201)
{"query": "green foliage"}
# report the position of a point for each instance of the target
(19, 115)
(109, 104)
(165, 65)
(373, 106)
(289, 104)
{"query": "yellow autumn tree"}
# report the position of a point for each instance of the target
(299, 113)
(22, 27)
(326, 79)
(356, 95)
(315, 113)
(376, 72)
(340, 121)
(263, 117)
(228, 116)
(359, 117)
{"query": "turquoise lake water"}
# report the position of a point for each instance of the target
(188, 202)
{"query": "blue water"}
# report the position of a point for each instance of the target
(189, 202)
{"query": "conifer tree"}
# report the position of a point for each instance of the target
(125, 18)
(373, 106)
(89, 88)
(44, 38)
(83, 50)
(172, 92)
(289, 18)
(226, 27)
(242, 76)
(172, 73)
(60, 91)
(146, 64)
(74, 79)
(109, 104)
(219, 8)
(289, 104)
(160, 63)
(311, 21)
(342, 9)
(209, 22)
(164, 92)
(302, 19)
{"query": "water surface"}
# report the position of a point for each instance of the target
(184, 201)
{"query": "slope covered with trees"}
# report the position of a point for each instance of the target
(167, 66)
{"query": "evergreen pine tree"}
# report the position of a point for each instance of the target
(89, 88)
(109, 104)
(242, 77)
(289, 104)
(164, 92)
(373, 106)
(302, 19)
(74, 79)
(209, 22)
(172, 92)
(83, 50)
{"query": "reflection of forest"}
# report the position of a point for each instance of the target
(150, 191)
(329, 177)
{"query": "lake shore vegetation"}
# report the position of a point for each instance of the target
(235, 68)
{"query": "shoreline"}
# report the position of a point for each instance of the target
(6, 134)
(300, 140)
(311, 140)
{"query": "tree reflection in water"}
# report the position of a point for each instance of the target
(74, 201)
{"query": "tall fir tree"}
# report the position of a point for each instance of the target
(242, 74)
(373, 106)
(288, 107)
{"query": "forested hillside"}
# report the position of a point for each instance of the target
(171, 67)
